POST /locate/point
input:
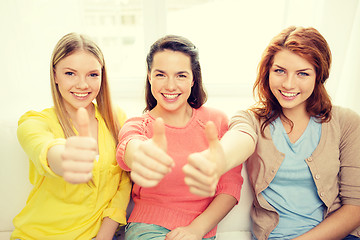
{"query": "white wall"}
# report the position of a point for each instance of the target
(231, 35)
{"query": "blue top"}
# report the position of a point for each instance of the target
(293, 192)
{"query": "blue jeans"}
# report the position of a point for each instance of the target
(143, 231)
(350, 237)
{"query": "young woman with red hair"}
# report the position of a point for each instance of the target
(302, 154)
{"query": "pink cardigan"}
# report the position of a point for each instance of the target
(170, 204)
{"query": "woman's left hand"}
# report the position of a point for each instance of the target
(183, 233)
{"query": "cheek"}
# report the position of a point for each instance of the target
(272, 84)
(310, 86)
(96, 84)
(187, 85)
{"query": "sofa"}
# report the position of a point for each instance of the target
(15, 188)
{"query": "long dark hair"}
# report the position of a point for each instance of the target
(180, 44)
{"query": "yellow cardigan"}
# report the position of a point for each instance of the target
(56, 209)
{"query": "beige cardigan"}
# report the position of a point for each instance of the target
(335, 165)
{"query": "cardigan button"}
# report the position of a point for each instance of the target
(309, 159)
(317, 176)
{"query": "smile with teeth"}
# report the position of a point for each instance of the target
(170, 96)
(80, 94)
(288, 94)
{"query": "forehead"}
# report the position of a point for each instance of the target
(288, 59)
(170, 58)
(79, 58)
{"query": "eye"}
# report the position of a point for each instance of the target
(279, 71)
(94, 75)
(159, 75)
(69, 73)
(182, 76)
(303, 74)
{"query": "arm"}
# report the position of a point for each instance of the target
(116, 209)
(197, 229)
(107, 229)
(42, 139)
(337, 226)
(238, 147)
(147, 159)
(204, 169)
(74, 160)
(347, 218)
(55, 160)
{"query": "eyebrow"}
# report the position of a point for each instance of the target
(74, 70)
(69, 68)
(180, 72)
(300, 70)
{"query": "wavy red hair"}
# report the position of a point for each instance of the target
(309, 44)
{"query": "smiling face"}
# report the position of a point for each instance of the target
(78, 77)
(291, 80)
(171, 80)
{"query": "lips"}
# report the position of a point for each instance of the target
(288, 94)
(80, 95)
(170, 96)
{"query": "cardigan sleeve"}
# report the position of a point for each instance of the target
(349, 156)
(245, 121)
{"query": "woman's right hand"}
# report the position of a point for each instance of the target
(204, 169)
(79, 152)
(149, 161)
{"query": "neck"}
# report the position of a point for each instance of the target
(299, 119)
(177, 119)
(298, 115)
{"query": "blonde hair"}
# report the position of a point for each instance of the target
(67, 45)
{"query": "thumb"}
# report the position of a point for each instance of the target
(83, 122)
(159, 137)
(212, 137)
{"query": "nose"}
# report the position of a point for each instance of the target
(289, 82)
(171, 84)
(82, 83)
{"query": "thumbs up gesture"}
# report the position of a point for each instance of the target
(150, 162)
(203, 170)
(80, 152)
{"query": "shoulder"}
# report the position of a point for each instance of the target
(346, 119)
(244, 116)
(144, 121)
(34, 123)
(47, 114)
(344, 114)
(137, 126)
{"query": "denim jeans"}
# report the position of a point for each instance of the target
(143, 231)
(350, 237)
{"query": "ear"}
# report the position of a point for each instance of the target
(149, 77)
(55, 78)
